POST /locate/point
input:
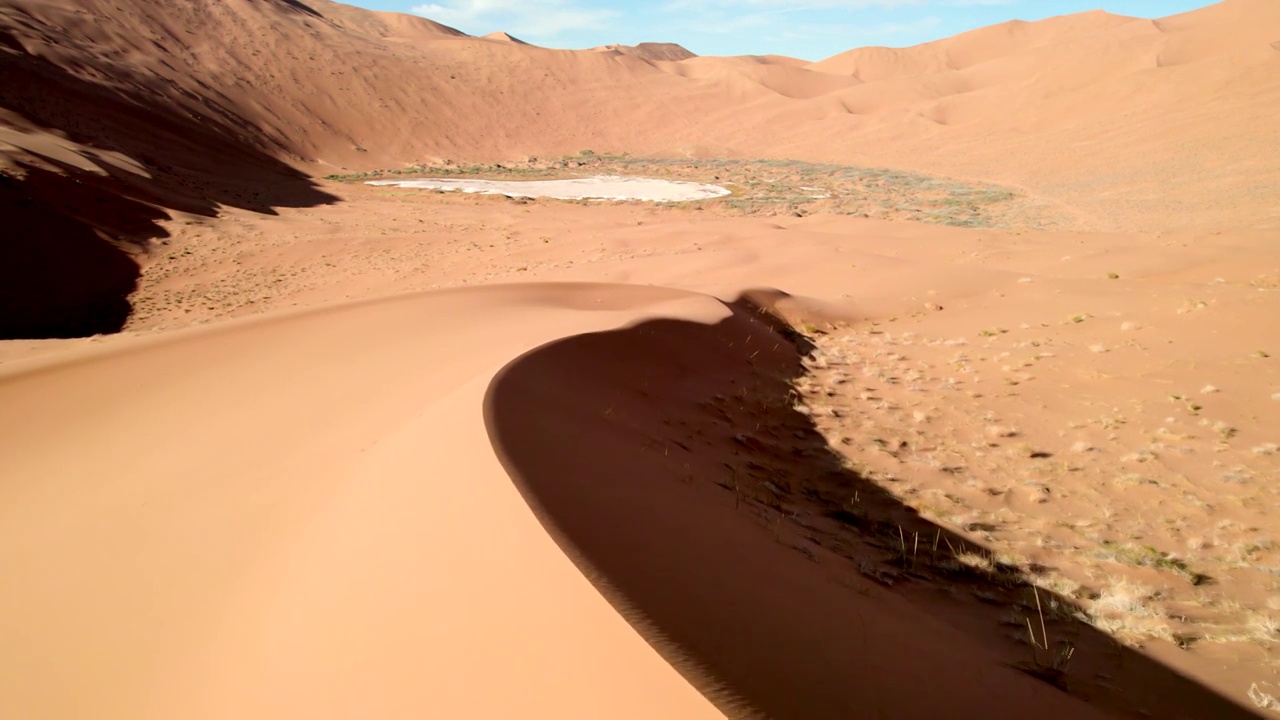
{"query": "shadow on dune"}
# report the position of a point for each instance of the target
(668, 462)
(58, 276)
(67, 254)
(302, 8)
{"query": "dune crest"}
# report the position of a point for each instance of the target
(336, 592)
(505, 37)
(650, 51)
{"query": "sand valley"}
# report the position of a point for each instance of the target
(940, 381)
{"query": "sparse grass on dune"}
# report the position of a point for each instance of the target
(778, 187)
(868, 464)
(1138, 526)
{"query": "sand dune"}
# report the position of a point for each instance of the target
(362, 513)
(975, 47)
(288, 555)
(661, 541)
(330, 87)
(649, 51)
(785, 80)
(505, 37)
(664, 551)
(473, 456)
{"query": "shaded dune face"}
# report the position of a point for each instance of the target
(58, 276)
(644, 452)
(67, 256)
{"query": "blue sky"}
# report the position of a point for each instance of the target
(810, 29)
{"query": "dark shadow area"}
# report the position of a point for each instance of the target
(302, 8)
(668, 461)
(68, 233)
(58, 276)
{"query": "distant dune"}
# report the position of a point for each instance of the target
(1090, 105)
(650, 51)
(505, 37)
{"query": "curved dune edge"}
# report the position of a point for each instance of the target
(608, 437)
(313, 515)
(302, 517)
(636, 447)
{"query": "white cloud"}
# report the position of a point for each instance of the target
(527, 19)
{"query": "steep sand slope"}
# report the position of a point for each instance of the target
(312, 526)
(784, 79)
(315, 526)
(216, 104)
(1131, 119)
(970, 48)
(1142, 124)
(320, 502)
(505, 37)
(330, 88)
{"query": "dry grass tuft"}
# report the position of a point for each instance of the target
(1266, 449)
(1126, 611)
(1147, 556)
(1263, 700)
(999, 431)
